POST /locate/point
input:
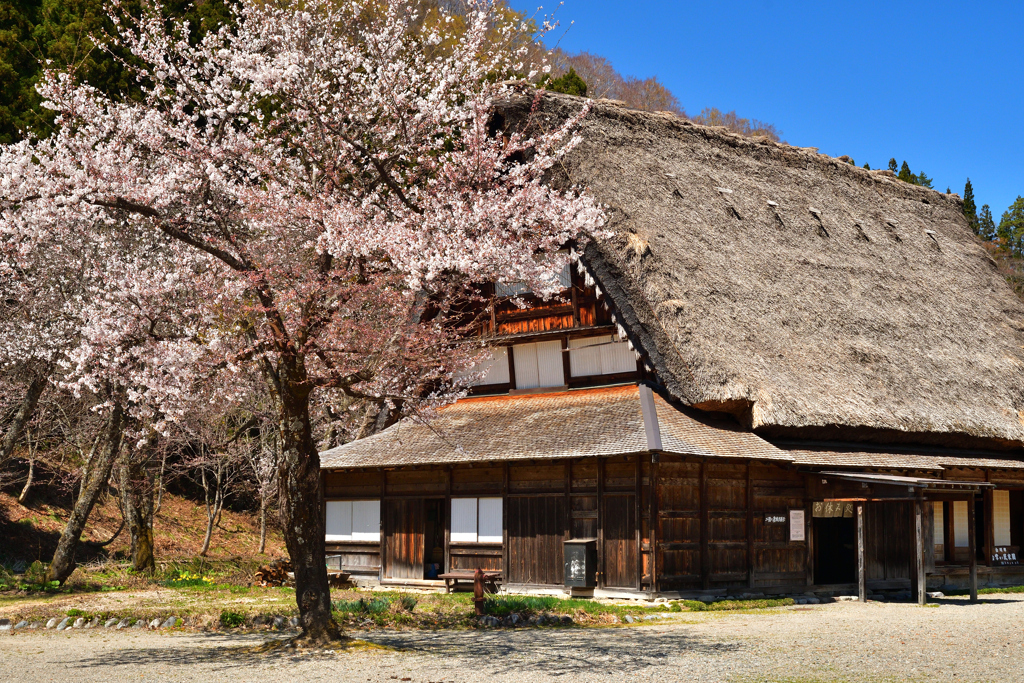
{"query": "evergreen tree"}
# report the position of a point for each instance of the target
(569, 83)
(1011, 228)
(986, 225)
(905, 174)
(923, 180)
(970, 208)
(867, 166)
(893, 166)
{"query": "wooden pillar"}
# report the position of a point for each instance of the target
(638, 483)
(750, 526)
(653, 523)
(600, 522)
(862, 583)
(447, 516)
(972, 548)
(505, 554)
(919, 575)
(948, 538)
(990, 528)
(705, 548)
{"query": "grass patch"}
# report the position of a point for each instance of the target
(230, 619)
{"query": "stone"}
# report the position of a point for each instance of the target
(628, 619)
(514, 619)
(155, 623)
(566, 620)
(139, 623)
(813, 601)
(79, 622)
(280, 622)
(5, 624)
(294, 622)
(110, 622)
(936, 594)
(21, 624)
(51, 623)
(124, 623)
(63, 624)
(170, 623)
(94, 623)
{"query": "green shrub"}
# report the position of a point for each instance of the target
(35, 575)
(231, 619)
(7, 579)
(404, 603)
(76, 613)
(503, 605)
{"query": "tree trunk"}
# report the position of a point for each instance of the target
(28, 482)
(138, 490)
(95, 482)
(24, 414)
(302, 516)
(212, 507)
(263, 524)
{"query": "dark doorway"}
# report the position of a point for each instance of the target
(403, 538)
(433, 538)
(835, 550)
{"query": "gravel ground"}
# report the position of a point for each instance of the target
(955, 641)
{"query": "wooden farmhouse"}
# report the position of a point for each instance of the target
(782, 373)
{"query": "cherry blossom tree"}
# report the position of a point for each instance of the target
(322, 180)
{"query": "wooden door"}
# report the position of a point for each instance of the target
(619, 522)
(536, 529)
(403, 538)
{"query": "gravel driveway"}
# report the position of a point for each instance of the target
(954, 641)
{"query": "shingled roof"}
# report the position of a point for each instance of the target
(568, 424)
(808, 297)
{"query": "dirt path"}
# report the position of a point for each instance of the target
(844, 641)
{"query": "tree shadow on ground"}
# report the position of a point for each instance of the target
(550, 651)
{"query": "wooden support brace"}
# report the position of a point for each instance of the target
(972, 547)
(862, 584)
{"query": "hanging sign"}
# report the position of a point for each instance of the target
(832, 508)
(797, 522)
(1005, 556)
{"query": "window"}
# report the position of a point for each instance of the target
(353, 520)
(476, 520)
(538, 365)
(495, 368)
(960, 539)
(600, 356)
(939, 530)
(563, 276)
(1001, 517)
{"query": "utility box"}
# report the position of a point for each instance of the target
(581, 563)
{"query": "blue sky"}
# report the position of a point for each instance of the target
(940, 84)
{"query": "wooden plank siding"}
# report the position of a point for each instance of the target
(666, 524)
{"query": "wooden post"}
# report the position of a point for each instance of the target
(653, 524)
(990, 528)
(705, 548)
(447, 516)
(600, 522)
(919, 575)
(972, 548)
(862, 583)
(505, 551)
(750, 526)
(637, 507)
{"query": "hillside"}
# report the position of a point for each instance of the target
(31, 533)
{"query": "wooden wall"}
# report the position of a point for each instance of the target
(711, 531)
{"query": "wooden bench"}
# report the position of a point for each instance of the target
(491, 579)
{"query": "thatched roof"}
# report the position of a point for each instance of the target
(809, 297)
(570, 424)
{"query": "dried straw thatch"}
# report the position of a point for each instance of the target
(808, 297)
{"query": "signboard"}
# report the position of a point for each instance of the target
(797, 523)
(832, 508)
(774, 518)
(1005, 556)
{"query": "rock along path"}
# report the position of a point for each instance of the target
(954, 641)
